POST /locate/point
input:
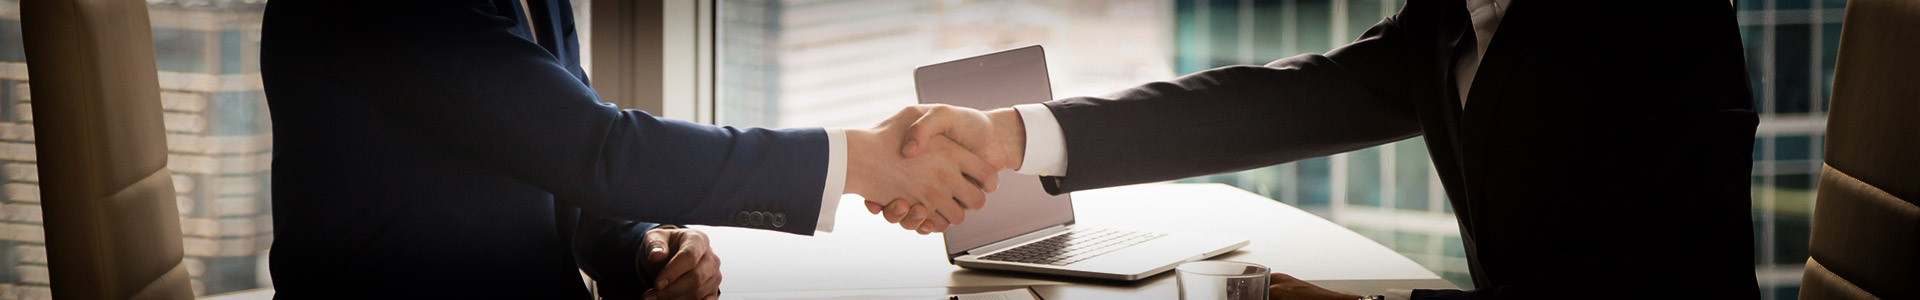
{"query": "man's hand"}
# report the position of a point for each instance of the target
(903, 212)
(998, 136)
(947, 181)
(1285, 287)
(683, 264)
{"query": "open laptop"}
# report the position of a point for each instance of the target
(1023, 228)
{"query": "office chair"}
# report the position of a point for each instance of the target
(1865, 241)
(112, 227)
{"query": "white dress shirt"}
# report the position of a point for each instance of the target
(836, 183)
(1046, 152)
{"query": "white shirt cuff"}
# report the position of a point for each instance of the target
(836, 179)
(1397, 294)
(1046, 153)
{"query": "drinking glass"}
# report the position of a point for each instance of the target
(1222, 280)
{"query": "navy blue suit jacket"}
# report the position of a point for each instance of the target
(441, 148)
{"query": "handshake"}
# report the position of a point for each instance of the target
(926, 166)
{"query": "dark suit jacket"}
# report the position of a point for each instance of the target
(1603, 152)
(435, 148)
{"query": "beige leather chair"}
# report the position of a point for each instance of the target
(113, 231)
(1866, 226)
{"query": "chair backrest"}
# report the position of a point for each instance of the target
(1865, 242)
(112, 227)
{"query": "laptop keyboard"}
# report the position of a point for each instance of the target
(1073, 246)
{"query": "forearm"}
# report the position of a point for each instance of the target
(1224, 120)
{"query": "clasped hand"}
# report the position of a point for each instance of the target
(929, 164)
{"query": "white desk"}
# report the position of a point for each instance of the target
(866, 253)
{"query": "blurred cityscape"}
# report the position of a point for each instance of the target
(789, 63)
(219, 143)
(792, 63)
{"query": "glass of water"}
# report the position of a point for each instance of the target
(1222, 280)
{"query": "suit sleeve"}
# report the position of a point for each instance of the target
(1240, 117)
(457, 73)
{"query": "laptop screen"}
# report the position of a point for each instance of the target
(1003, 79)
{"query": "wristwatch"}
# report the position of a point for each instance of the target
(1374, 297)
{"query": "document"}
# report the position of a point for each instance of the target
(1016, 294)
(920, 294)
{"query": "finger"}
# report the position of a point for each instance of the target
(710, 279)
(657, 255)
(897, 210)
(1277, 278)
(935, 223)
(939, 198)
(683, 287)
(692, 248)
(984, 174)
(966, 195)
(915, 216)
(657, 246)
(696, 284)
(935, 121)
(873, 208)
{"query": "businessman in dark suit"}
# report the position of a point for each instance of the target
(453, 149)
(1590, 149)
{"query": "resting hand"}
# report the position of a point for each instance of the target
(683, 263)
(947, 181)
(1285, 287)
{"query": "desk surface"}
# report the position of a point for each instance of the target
(866, 253)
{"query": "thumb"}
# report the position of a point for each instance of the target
(656, 253)
(923, 129)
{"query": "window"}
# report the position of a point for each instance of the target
(219, 144)
(848, 63)
(788, 63)
(219, 140)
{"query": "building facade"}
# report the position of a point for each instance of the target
(219, 144)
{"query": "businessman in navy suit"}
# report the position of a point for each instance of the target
(453, 149)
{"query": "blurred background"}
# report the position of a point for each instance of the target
(848, 63)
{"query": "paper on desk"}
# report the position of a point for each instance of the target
(1015, 294)
(1012, 294)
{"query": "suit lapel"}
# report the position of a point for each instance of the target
(1442, 108)
(1450, 109)
(1489, 83)
(1452, 39)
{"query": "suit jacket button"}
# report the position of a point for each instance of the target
(759, 218)
(779, 220)
(742, 218)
